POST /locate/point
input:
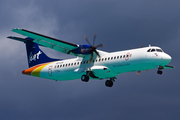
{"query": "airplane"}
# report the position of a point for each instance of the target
(89, 63)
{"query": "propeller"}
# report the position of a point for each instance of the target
(93, 48)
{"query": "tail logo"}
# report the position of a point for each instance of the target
(34, 57)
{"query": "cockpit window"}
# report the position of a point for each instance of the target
(159, 50)
(149, 50)
(153, 50)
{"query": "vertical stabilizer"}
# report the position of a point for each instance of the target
(35, 55)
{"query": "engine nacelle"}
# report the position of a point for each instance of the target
(82, 49)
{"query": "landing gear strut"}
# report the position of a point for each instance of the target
(85, 78)
(159, 72)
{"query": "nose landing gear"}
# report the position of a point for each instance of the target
(159, 72)
(160, 68)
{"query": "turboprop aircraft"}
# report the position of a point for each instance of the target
(89, 63)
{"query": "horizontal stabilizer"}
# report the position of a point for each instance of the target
(20, 39)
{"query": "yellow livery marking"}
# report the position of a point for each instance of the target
(37, 71)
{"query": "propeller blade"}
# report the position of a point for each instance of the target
(95, 34)
(85, 37)
(97, 53)
(100, 45)
(91, 57)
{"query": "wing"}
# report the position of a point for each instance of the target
(46, 41)
(168, 67)
(56, 44)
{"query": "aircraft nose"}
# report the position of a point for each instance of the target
(167, 58)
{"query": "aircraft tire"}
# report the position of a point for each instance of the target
(109, 83)
(85, 78)
(159, 72)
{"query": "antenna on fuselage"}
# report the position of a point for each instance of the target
(149, 45)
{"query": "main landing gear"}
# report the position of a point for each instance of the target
(85, 78)
(109, 83)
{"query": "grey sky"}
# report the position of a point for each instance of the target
(122, 24)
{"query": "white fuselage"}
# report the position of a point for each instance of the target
(108, 66)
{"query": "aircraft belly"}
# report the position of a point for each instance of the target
(67, 75)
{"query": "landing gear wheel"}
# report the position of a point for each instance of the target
(85, 78)
(159, 72)
(109, 83)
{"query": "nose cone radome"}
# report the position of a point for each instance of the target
(167, 58)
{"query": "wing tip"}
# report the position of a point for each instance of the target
(16, 29)
(169, 67)
(10, 37)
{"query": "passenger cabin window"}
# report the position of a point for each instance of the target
(117, 57)
(124, 56)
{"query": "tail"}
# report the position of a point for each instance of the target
(35, 55)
